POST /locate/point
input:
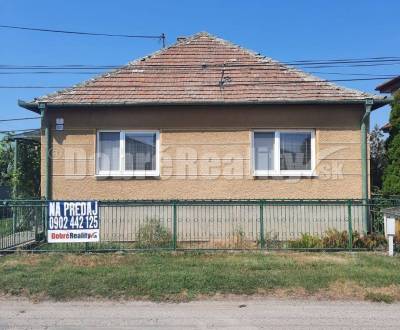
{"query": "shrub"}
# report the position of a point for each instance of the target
(153, 234)
(239, 239)
(306, 241)
(335, 239)
(372, 241)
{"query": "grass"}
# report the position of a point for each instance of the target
(180, 277)
(6, 226)
(379, 297)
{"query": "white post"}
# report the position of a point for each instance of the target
(390, 231)
(391, 246)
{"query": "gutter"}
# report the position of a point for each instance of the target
(364, 160)
(47, 149)
(33, 106)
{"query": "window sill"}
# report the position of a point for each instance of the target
(285, 175)
(127, 176)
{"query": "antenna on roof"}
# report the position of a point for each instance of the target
(224, 79)
(163, 39)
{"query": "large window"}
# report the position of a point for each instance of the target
(127, 153)
(283, 153)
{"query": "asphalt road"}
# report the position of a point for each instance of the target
(222, 314)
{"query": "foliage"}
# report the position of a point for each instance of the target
(335, 239)
(378, 159)
(153, 235)
(391, 178)
(372, 241)
(306, 241)
(25, 181)
(379, 297)
(6, 226)
(6, 163)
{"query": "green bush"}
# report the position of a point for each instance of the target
(334, 239)
(153, 234)
(306, 241)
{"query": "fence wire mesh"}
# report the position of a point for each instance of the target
(208, 225)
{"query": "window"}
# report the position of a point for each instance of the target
(283, 153)
(127, 153)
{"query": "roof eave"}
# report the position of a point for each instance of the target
(33, 106)
(389, 86)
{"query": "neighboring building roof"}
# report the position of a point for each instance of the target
(386, 128)
(31, 135)
(202, 69)
(389, 86)
(392, 211)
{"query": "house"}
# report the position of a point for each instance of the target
(205, 119)
(391, 86)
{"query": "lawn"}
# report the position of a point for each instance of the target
(185, 276)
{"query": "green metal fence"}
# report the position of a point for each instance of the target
(208, 225)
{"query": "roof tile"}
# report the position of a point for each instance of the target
(202, 68)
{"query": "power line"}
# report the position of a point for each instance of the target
(81, 32)
(190, 66)
(272, 83)
(148, 67)
(328, 63)
(99, 72)
(16, 119)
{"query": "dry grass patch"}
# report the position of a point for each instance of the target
(24, 259)
(303, 258)
(96, 260)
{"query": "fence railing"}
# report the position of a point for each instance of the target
(208, 224)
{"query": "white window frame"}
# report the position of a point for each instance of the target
(122, 172)
(277, 147)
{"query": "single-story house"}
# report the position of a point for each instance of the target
(205, 119)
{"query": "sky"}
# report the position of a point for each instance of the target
(285, 30)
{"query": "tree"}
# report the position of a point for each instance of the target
(25, 180)
(378, 158)
(391, 178)
(6, 163)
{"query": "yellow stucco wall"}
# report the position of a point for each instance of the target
(206, 152)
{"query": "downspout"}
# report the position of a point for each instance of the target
(15, 185)
(47, 149)
(364, 161)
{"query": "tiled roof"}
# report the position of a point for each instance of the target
(389, 86)
(387, 127)
(202, 69)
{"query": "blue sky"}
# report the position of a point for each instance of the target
(284, 30)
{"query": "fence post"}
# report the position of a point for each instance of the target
(174, 226)
(262, 234)
(45, 207)
(350, 225)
